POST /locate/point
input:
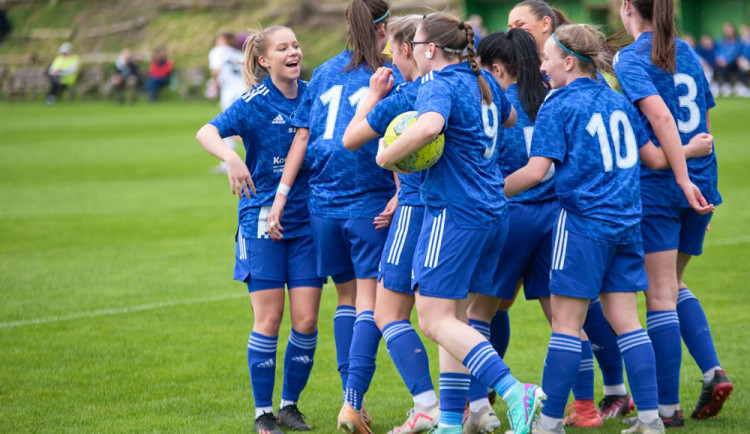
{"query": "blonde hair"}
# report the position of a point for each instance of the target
(586, 41)
(256, 46)
(403, 29)
(455, 37)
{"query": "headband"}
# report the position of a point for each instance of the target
(382, 18)
(584, 58)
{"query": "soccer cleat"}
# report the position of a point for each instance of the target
(615, 406)
(483, 421)
(445, 429)
(420, 419)
(583, 414)
(677, 420)
(538, 429)
(365, 415)
(492, 396)
(266, 424)
(654, 427)
(713, 395)
(523, 402)
(351, 421)
(292, 418)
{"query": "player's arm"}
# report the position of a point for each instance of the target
(239, 175)
(294, 160)
(359, 131)
(663, 124)
(528, 176)
(424, 131)
(511, 120)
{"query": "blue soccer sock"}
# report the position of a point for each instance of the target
(561, 369)
(695, 331)
(477, 390)
(298, 362)
(664, 331)
(500, 332)
(639, 358)
(362, 356)
(604, 344)
(484, 363)
(343, 329)
(583, 388)
(454, 390)
(261, 360)
(409, 356)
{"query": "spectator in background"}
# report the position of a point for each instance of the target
(479, 31)
(63, 72)
(159, 72)
(705, 49)
(226, 62)
(727, 51)
(744, 60)
(5, 27)
(124, 78)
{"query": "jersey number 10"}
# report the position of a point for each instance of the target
(596, 128)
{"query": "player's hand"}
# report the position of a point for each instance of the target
(384, 219)
(695, 199)
(273, 221)
(391, 167)
(381, 82)
(700, 145)
(239, 177)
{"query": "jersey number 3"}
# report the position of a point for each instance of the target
(596, 128)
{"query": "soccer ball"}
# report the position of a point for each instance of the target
(422, 159)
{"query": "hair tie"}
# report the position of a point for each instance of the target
(461, 25)
(382, 18)
(584, 58)
(477, 73)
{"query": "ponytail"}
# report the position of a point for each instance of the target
(585, 42)
(660, 13)
(256, 46)
(364, 18)
(484, 88)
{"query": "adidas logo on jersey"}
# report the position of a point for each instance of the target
(305, 360)
(278, 120)
(267, 364)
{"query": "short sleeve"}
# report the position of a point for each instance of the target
(383, 113)
(548, 139)
(434, 96)
(230, 121)
(301, 116)
(634, 80)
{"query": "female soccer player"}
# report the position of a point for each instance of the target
(593, 136)
(465, 217)
(395, 296)
(662, 76)
(262, 118)
(347, 192)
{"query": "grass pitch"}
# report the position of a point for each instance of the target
(119, 314)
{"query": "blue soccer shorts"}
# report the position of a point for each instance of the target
(396, 261)
(669, 228)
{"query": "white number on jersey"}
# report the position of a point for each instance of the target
(688, 101)
(332, 98)
(491, 126)
(528, 133)
(596, 128)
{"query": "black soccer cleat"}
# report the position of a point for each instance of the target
(677, 420)
(266, 424)
(615, 406)
(713, 396)
(292, 418)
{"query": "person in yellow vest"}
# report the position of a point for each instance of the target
(63, 72)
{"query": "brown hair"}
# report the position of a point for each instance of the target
(585, 40)
(541, 9)
(453, 37)
(256, 45)
(403, 29)
(660, 13)
(228, 37)
(364, 18)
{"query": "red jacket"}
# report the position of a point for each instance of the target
(160, 71)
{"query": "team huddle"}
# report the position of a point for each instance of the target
(549, 181)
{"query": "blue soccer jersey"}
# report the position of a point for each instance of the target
(343, 184)
(688, 97)
(467, 179)
(513, 152)
(403, 99)
(593, 134)
(262, 118)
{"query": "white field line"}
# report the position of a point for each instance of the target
(118, 311)
(728, 241)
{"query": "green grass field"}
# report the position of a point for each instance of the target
(117, 308)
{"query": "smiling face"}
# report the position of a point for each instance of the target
(555, 65)
(402, 58)
(523, 17)
(283, 57)
(420, 52)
